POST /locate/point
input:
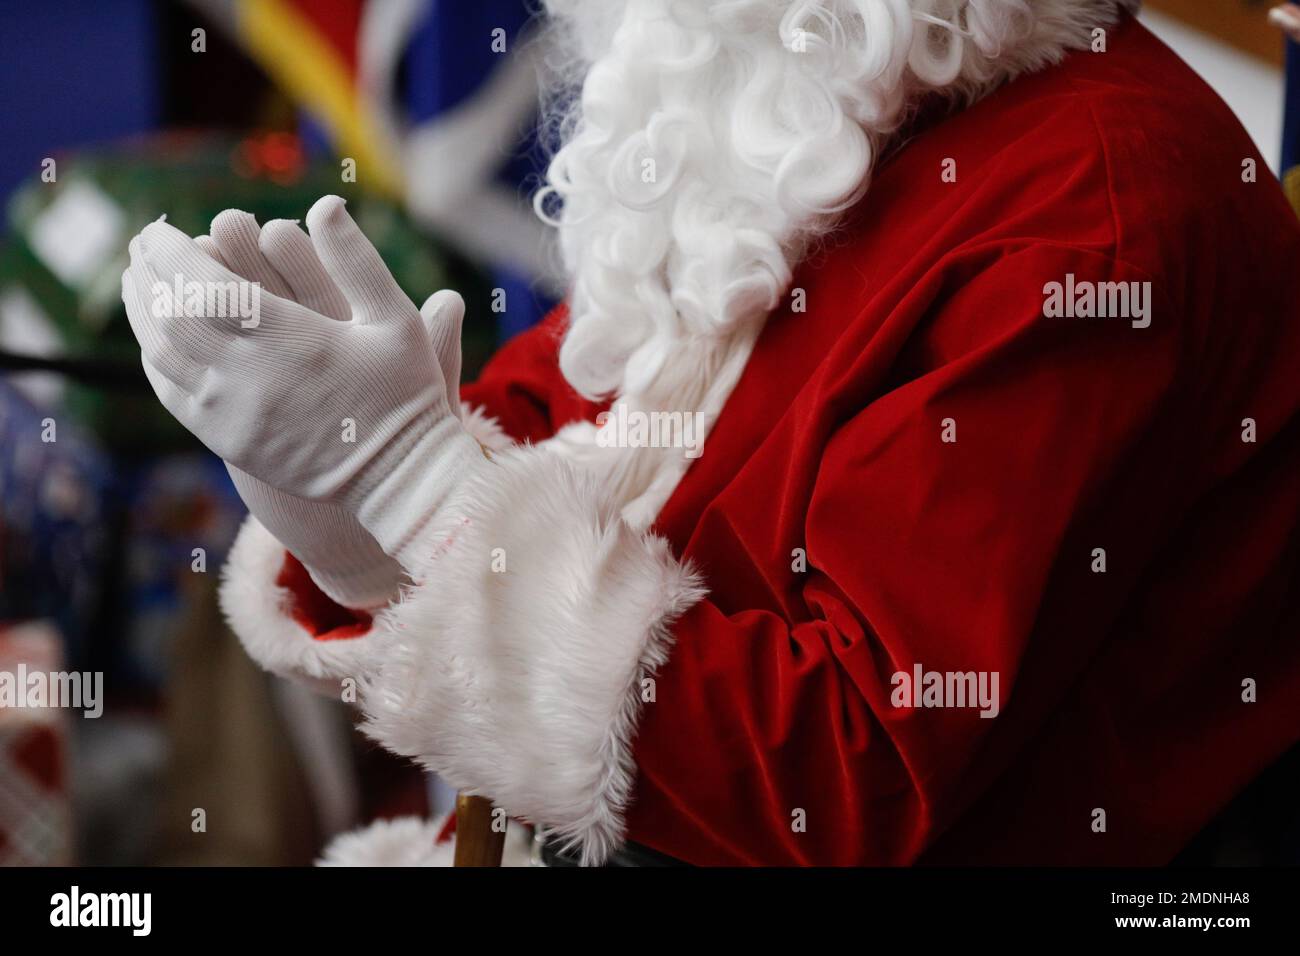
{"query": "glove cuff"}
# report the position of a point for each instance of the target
(340, 556)
(397, 508)
(364, 589)
(351, 568)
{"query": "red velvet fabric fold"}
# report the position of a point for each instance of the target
(322, 617)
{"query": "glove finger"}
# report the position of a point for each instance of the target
(237, 307)
(443, 314)
(169, 393)
(179, 283)
(138, 314)
(207, 245)
(290, 250)
(254, 492)
(149, 325)
(354, 264)
(238, 236)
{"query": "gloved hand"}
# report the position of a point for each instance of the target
(356, 413)
(344, 559)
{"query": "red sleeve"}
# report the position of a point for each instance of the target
(521, 385)
(317, 613)
(772, 737)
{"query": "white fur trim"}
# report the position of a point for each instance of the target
(525, 685)
(485, 429)
(257, 610)
(411, 841)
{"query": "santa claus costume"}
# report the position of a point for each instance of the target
(989, 329)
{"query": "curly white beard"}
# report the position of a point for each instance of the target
(714, 139)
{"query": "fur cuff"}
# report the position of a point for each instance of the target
(514, 666)
(410, 841)
(485, 429)
(258, 612)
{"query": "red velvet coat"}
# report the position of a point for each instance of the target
(1120, 690)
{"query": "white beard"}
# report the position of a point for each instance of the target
(712, 142)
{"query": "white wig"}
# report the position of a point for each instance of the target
(713, 140)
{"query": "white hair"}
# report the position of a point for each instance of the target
(713, 140)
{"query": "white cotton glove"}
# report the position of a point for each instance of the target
(356, 413)
(342, 558)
